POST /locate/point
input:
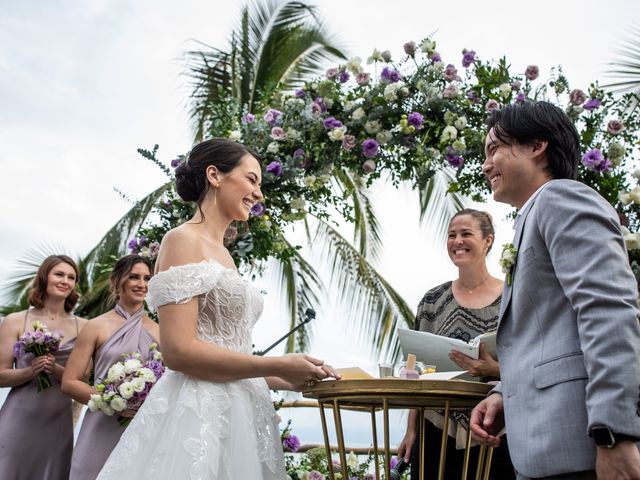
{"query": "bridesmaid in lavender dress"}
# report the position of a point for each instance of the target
(125, 329)
(36, 429)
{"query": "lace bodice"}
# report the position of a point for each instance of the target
(228, 306)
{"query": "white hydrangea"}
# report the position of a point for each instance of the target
(358, 114)
(504, 90)
(235, 135)
(391, 92)
(449, 133)
(384, 136)
(372, 127)
(273, 147)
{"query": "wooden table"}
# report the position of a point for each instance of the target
(372, 395)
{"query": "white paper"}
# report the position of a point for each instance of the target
(434, 349)
(442, 375)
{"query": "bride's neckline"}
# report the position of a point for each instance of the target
(209, 261)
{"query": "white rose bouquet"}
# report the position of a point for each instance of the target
(127, 384)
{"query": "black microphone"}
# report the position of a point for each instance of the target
(309, 315)
(398, 470)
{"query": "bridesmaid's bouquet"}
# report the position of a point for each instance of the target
(127, 384)
(39, 342)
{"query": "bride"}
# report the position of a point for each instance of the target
(210, 416)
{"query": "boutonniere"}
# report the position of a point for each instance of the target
(508, 260)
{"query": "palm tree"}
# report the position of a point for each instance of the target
(625, 70)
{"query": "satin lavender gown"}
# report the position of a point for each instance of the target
(100, 433)
(36, 429)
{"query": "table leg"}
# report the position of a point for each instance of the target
(443, 444)
(487, 463)
(422, 442)
(467, 454)
(376, 455)
(481, 453)
(327, 445)
(387, 457)
(340, 435)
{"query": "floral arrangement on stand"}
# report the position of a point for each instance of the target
(402, 121)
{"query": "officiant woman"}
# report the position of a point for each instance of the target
(463, 308)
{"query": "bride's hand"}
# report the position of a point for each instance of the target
(303, 370)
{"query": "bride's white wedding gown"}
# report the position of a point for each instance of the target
(196, 429)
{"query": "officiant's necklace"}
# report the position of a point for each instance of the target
(471, 289)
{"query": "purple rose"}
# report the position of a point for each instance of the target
(370, 148)
(577, 97)
(300, 93)
(410, 48)
(319, 106)
(532, 72)
(175, 162)
(473, 96)
(615, 126)
(390, 75)
(344, 76)
(133, 245)
(455, 160)
(258, 209)
(272, 116)
(416, 120)
(300, 157)
(491, 105)
(436, 57)
(592, 104)
(277, 133)
(520, 97)
(142, 241)
(516, 84)
(468, 57)
(451, 73)
(275, 168)
(595, 161)
(291, 443)
(248, 118)
(315, 475)
(330, 123)
(363, 79)
(331, 73)
(348, 142)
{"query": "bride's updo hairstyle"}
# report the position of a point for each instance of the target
(191, 178)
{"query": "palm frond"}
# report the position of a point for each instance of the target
(374, 308)
(625, 69)
(301, 286)
(437, 204)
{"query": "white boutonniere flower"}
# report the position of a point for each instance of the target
(508, 260)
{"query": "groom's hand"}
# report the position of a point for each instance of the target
(618, 463)
(487, 420)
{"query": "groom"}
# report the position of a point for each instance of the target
(568, 340)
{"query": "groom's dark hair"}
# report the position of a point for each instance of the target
(525, 123)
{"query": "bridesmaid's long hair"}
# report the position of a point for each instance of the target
(38, 290)
(121, 271)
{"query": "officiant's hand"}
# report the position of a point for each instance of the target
(487, 420)
(484, 366)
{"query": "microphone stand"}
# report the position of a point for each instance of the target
(309, 315)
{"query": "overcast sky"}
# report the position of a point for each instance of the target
(83, 84)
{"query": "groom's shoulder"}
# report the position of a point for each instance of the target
(570, 193)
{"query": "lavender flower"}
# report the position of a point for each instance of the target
(370, 148)
(615, 126)
(595, 161)
(577, 97)
(363, 79)
(277, 133)
(410, 48)
(516, 84)
(275, 168)
(258, 209)
(390, 75)
(520, 97)
(300, 93)
(291, 443)
(436, 57)
(319, 106)
(248, 118)
(348, 142)
(315, 475)
(473, 96)
(453, 158)
(133, 245)
(175, 162)
(491, 105)
(451, 73)
(330, 123)
(468, 57)
(272, 116)
(532, 72)
(299, 154)
(415, 119)
(331, 73)
(344, 76)
(592, 104)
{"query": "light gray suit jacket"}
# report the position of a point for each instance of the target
(568, 338)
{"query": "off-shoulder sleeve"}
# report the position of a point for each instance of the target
(181, 283)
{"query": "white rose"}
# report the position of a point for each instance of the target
(235, 135)
(309, 180)
(337, 134)
(157, 355)
(460, 122)
(324, 178)
(273, 147)
(358, 113)
(509, 256)
(328, 102)
(147, 375)
(126, 390)
(352, 460)
(115, 373)
(372, 127)
(504, 89)
(131, 365)
(354, 65)
(635, 195)
(95, 402)
(138, 384)
(293, 134)
(298, 203)
(404, 91)
(449, 133)
(384, 136)
(390, 92)
(632, 240)
(459, 145)
(428, 46)
(118, 404)
(625, 198)
(107, 410)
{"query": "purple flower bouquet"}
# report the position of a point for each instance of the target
(39, 342)
(127, 384)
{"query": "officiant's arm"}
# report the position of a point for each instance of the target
(484, 366)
